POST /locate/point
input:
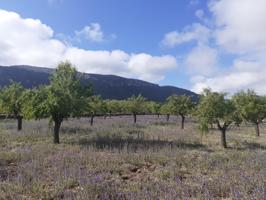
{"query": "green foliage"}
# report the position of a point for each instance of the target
(166, 109)
(63, 98)
(35, 103)
(11, 99)
(250, 106)
(96, 105)
(66, 96)
(180, 105)
(153, 107)
(214, 108)
(114, 107)
(136, 104)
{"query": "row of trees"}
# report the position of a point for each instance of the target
(245, 107)
(65, 97)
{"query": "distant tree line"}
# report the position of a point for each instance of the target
(65, 97)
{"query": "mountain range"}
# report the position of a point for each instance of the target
(108, 86)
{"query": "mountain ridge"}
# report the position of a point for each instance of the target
(108, 86)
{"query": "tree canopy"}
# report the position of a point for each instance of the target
(180, 105)
(114, 107)
(96, 106)
(215, 108)
(154, 107)
(64, 97)
(251, 107)
(11, 101)
(166, 110)
(136, 105)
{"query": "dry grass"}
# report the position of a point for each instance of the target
(116, 160)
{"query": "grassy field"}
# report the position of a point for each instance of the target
(116, 160)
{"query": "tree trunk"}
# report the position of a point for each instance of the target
(19, 123)
(223, 138)
(223, 133)
(135, 118)
(158, 115)
(257, 129)
(57, 125)
(182, 121)
(92, 117)
(167, 117)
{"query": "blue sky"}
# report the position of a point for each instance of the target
(187, 43)
(139, 24)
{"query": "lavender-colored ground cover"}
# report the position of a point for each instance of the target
(115, 159)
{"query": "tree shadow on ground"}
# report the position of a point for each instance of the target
(75, 130)
(135, 144)
(250, 146)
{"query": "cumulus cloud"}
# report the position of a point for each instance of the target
(243, 74)
(202, 60)
(93, 33)
(146, 65)
(29, 41)
(240, 31)
(240, 24)
(195, 32)
(199, 13)
(236, 32)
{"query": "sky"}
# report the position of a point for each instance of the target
(192, 44)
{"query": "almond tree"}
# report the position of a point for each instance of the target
(114, 107)
(180, 105)
(63, 98)
(251, 108)
(166, 110)
(11, 98)
(213, 107)
(154, 108)
(96, 106)
(136, 105)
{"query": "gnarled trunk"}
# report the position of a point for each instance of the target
(19, 122)
(182, 121)
(257, 129)
(223, 134)
(167, 117)
(223, 138)
(57, 126)
(135, 118)
(92, 117)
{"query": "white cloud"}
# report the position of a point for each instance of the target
(202, 60)
(243, 74)
(236, 31)
(241, 26)
(29, 41)
(199, 13)
(241, 31)
(92, 32)
(146, 65)
(195, 32)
